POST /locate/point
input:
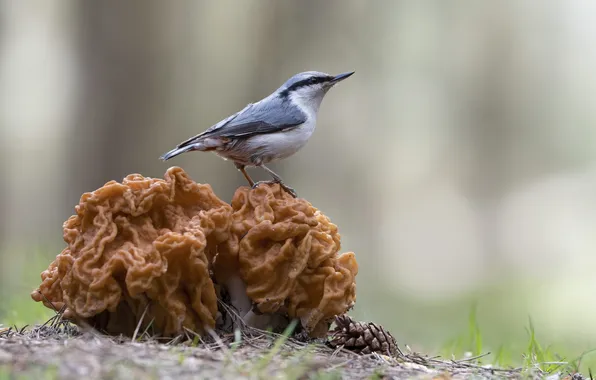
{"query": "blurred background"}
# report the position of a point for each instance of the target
(459, 162)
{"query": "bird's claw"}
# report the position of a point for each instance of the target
(256, 184)
(288, 189)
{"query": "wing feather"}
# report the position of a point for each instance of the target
(266, 116)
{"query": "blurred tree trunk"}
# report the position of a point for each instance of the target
(120, 63)
(489, 127)
(507, 106)
(37, 93)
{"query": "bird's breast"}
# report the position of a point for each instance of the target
(283, 144)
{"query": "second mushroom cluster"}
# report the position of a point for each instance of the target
(161, 252)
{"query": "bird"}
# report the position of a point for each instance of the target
(272, 129)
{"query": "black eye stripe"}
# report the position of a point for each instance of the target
(307, 82)
(315, 80)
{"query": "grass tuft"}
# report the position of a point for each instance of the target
(474, 334)
(279, 342)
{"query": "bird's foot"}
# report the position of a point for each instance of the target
(287, 189)
(256, 184)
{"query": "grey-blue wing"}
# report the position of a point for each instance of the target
(270, 115)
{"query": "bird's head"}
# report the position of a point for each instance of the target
(310, 85)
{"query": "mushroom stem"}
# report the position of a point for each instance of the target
(238, 297)
(265, 321)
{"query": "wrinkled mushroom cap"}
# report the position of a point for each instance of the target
(286, 251)
(142, 246)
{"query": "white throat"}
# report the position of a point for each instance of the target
(308, 103)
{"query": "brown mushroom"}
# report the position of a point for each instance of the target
(283, 254)
(143, 246)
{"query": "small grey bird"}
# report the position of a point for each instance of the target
(272, 129)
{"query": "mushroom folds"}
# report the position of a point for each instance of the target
(138, 247)
(150, 251)
(285, 253)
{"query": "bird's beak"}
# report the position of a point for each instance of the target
(341, 77)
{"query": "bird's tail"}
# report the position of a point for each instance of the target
(178, 150)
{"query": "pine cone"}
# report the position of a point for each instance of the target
(361, 337)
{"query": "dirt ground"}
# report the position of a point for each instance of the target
(59, 350)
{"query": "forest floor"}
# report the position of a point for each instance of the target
(59, 350)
